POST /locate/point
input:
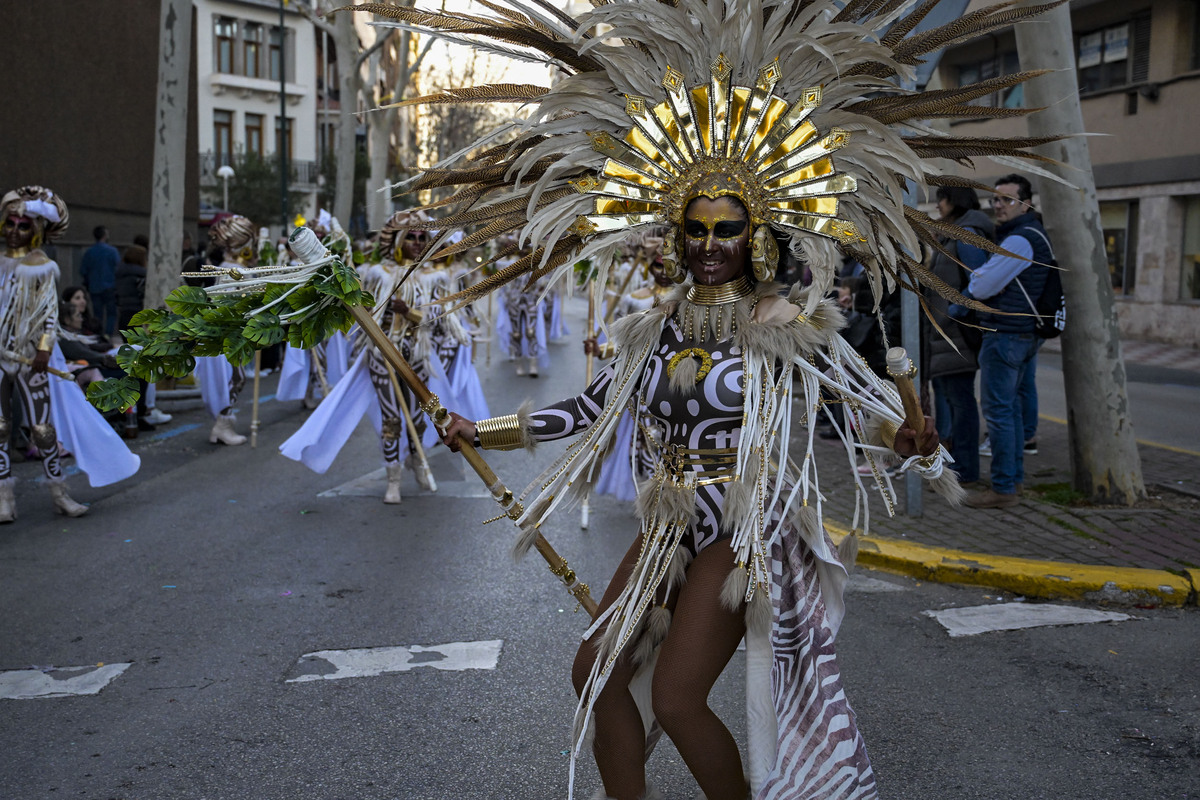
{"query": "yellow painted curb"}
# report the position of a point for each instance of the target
(1025, 576)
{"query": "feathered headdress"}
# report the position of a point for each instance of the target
(794, 106)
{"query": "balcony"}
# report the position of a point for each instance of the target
(304, 173)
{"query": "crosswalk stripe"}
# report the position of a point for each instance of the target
(27, 684)
(973, 620)
(328, 665)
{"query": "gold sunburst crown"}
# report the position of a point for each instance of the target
(716, 140)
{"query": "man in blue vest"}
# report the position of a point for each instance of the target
(99, 272)
(1009, 284)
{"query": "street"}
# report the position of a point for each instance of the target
(215, 571)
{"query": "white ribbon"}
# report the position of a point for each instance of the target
(43, 209)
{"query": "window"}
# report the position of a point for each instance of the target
(254, 134)
(283, 143)
(1119, 222)
(224, 31)
(276, 54)
(1190, 285)
(1106, 58)
(252, 36)
(1003, 64)
(223, 136)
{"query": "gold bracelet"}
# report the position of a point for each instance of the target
(46, 343)
(887, 432)
(415, 317)
(499, 433)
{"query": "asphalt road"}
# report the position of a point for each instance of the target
(215, 570)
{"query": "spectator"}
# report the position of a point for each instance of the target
(79, 302)
(951, 361)
(1007, 354)
(131, 284)
(99, 271)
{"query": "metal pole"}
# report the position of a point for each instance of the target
(283, 120)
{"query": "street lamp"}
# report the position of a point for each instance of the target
(225, 172)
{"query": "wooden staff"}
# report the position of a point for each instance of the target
(431, 405)
(254, 405)
(413, 436)
(585, 508)
(902, 370)
(58, 373)
(491, 327)
(612, 304)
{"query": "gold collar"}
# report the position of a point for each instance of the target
(703, 295)
(18, 252)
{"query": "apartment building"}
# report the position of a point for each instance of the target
(244, 61)
(1138, 65)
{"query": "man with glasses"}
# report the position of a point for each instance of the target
(1008, 355)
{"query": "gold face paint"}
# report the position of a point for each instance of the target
(716, 239)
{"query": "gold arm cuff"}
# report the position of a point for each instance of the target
(500, 433)
(887, 432)
(415, 317)
(607, 350)
(46, 343)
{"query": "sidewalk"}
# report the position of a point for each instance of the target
(1145, 555)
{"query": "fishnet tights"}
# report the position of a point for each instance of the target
(703, 637)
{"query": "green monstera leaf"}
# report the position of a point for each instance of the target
(113, 393)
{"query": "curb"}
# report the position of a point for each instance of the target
(1049, 580)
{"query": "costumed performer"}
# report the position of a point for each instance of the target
(31, 215)
(220, 381)
(733, 123)
(369, 387)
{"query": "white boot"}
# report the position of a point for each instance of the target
(424, 474)
(223, 432)
(8, 503)
(392, 495)
(533, 367)
(63, 503)
(520, 366)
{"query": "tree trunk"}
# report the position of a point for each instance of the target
(346, 43)
(1104, 458)
(378, 141)
(170, 151)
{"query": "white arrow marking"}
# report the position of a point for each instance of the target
(328, 665)
(26, 684)
(1014, 616)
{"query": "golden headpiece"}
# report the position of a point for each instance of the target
(43, 206)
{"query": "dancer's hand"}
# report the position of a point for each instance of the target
(458, 425)
(41, 360)
(399, 306)
(908, 444)
(591, 347)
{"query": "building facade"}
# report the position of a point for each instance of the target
(1138, 64)
(242, 61)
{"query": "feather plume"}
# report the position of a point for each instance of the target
(491, 93)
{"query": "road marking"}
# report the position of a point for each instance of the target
(158, 437)
(27, 684)
(450, 484)
(329, 665)
(1014, 616)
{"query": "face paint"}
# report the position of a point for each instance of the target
(19, 232)
(716, 239)
(413, 244)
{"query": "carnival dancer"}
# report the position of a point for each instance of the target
(369, 386)
(450, 334)
(522, 327)
(30, 216)
(733, 122)
(307, 375)
(220, 381)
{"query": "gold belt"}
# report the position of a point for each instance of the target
(710, 465)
